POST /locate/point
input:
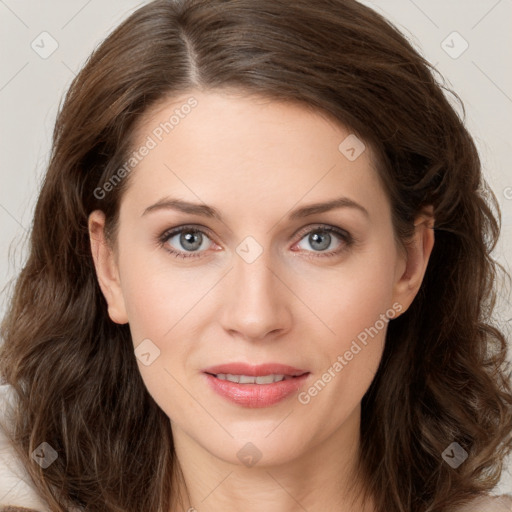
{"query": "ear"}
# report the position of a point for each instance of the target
(413, 264)
(106, 268)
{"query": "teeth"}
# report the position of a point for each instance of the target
(247, 379)
(268, 379)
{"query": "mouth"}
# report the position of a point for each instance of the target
(260, 370)
(255, 386)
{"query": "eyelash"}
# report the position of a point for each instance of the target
(347, 239)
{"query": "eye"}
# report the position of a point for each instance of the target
(321, 238)
(191, 242)
(180, 242)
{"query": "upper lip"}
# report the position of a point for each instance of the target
(255, 370)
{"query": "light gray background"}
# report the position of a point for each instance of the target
(31, 88)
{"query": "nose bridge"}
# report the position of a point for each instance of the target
(255, 303)
(254, 278)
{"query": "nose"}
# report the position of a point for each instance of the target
(257, 302)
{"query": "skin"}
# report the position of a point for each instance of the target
(256, 160)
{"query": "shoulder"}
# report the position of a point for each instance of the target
(501, 503)
(16, 488)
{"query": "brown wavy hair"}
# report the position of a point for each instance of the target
(443, 376)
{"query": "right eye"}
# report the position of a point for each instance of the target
(184, 241)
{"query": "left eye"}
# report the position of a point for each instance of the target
(193, 240)
(320, 239)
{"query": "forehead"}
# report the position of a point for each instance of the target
(236, 150)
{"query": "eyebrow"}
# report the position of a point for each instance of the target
(168, 203)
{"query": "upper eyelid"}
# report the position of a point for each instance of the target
(191, 227)
(318, 227)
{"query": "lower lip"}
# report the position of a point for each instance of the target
(256, 395)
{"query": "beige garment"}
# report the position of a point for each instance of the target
(501, 503)
(16, 487)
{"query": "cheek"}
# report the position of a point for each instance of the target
(355, 305)
(357, 318)
(358, 314)
(352, 296)
(160, 304)
(156, 292)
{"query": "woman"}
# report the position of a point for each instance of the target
(260, 277)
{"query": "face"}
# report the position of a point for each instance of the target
(254, 280)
